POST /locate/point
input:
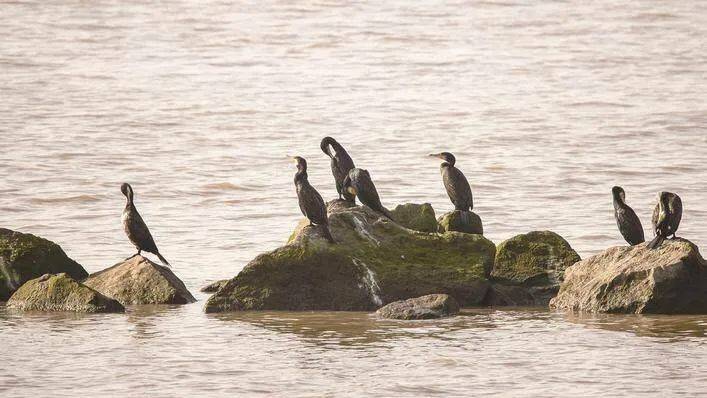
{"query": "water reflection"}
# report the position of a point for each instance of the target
(672, 327)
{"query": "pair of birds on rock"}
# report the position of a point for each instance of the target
(352, 182)
(666, 218)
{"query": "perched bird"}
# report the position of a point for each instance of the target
(358, 183)
(310, 201)
(455, 182)
(135, 227)
(627, 220)
(666, 217)
(341, 163)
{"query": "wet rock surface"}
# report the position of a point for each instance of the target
(430, 306)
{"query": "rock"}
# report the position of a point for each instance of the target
(25, 256)
(138, 280)
(374, 261)
(213, 286)
(500, 295)
(60, 292)
(460, 221)
(415, 216)
(634, 279)
(426, 307)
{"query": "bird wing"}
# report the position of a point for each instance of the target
(139, 233)
(630, 225)
(675, 205)
(366, 191)
(312, 205)
(457, 188)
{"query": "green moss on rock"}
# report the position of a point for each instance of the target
(26, 256)
(538, 258)
(60, 293)
(419, 217)
(460, 221)
(374, 261)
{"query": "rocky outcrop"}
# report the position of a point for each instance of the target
(25, 256)
(213, 286)
(60, 292)
(415, 216)
(634, 279)
(528, 268)
(426, 307)
(374, 261)
(460, 221)
(138, 280)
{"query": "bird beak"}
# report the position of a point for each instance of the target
(435, 155)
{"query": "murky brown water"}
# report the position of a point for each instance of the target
(197, 104)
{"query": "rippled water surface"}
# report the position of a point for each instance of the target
(545, 104)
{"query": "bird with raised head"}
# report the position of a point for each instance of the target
(455, 182)
(310, 201)
(135, 227)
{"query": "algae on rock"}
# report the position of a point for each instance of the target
(26, 256)
(419, 217)
(374, 261)
(460, 221)
(60, 292)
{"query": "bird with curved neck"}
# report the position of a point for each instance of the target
(666, 218)
(626, 219)
(359, 183)
(310, 201)
(135, 227)
(341, 164)
(455, 182)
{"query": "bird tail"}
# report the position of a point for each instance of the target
(387, 214)
(327, 234)
(656, 242)
(162, 259)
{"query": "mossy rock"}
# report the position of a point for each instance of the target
(374, 261)
(60, 292)
(460, 221)
(419, 217)
(26, 256)
(138, 280)
(538, 258)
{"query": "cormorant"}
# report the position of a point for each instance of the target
(341, 163)
(310, 201)
(455, 182)
(666, 217)
(358, 182)
(135, 227)
(627, 220)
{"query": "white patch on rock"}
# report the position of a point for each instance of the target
(361, 229)
(369, 280)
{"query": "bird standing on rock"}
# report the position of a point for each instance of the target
(455, 182)
(666, 218)
(310, 201)
(135, 227)
(341, 164)
(359, 183)
(628, 222)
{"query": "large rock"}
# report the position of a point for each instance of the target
(375, 261)
(535, 261)
(416, 216)
(635, 279)
(460, 221)
(140, 281)
(426, 307)
(25, 256)
(60, 292)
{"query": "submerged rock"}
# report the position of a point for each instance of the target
(426, 307)
(416, 216)
(60, 292)
(635, 279)
(26, 256)
(374, 261)
(138, 280)
(537, 262)
(213, 286)
(460, 221)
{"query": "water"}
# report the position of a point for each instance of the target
(197, 104)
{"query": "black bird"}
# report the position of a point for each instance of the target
(341, 164)
(310, 201)
(455, 182)
(135, 227)
(627, 220)
(666, 217)
(358, 183)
